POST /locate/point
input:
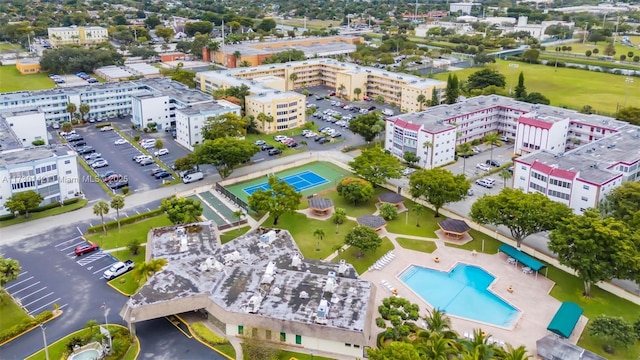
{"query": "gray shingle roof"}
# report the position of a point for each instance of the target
(453, 225)
(320, 203)
(372, 221)
(391, 197)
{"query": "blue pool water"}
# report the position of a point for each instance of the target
(461, 292)
(300, 181)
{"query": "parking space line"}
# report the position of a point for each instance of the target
(35, 292)
(47, 304)
(23, 273)
(73, 246)
(26, 287)
(89, 260)
(103, 269)
(80, 231)
(35, 301)
(18, 283)
(70, 240)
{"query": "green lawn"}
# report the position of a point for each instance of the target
(12, 80)
(564, 87)
(11, 48)
(417, 245)
(490, 244)
(407, 224)
(232, 234)
(133, 352)
(302, 229)
(580, 49)
(126, 284)
(362, 208)
(42, 214)
(10, 313)
(137, 231)
(362, 264)
(594, 61)
(289, 355)
(124, 255)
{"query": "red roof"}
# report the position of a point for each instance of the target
(552, 171)
(535, 122)
(406, 125)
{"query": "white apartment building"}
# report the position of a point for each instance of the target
(26, 125)
(78, 35)
(191, 120)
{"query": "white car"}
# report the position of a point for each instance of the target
(161, 152)
(483, 167)
(148, 145)
(484, 183)
(99, 164)
(55, 125)
(280, 138)
(310, 134)
(120, 142)
(106, 128)
(92, 156)
(408, 171)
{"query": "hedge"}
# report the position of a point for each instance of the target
(125, 221)
(207, 335)
(101, 125)
(18, 329)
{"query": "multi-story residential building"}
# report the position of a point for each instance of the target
(26, 125)
(51, 171)
(287, 109)
(255, 53)
(400, 89)
(191, 119)
(77, 35)
(259, 286)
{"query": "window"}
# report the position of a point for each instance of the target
(584, 198)
(268, 334)
(240, 330)
(356, 346)
(347, 344)
(68, 172)
(586, 187)
(254, 332)
(298, 339)
(283, 337)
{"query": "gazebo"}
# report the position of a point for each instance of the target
(453, 228)
(321, 206)
(392, 198)
(373, 221)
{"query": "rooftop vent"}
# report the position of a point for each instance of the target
(323, 312)
(276, 290)
(254, 304)
(268, 278)
(182, 236)
(303, 295)
(342, 267)
(331, 284)
(231, 257)
(296, 261)
(268, 237)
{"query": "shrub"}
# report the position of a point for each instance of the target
(125, 190)
(388, 211)
(7, 217)
(101, 125)
(70, 201)
(128, 220)
(38, 142)
(18, 329)
(207, 335)
(136, 138)
(52, 205)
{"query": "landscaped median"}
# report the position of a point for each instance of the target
(44, 211)
(14, 322)
(222, 345)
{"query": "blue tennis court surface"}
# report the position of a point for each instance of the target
(300, 181)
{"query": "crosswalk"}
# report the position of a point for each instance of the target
(96, 262)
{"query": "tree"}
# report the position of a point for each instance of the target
(357, 91)
(214, 46)
(264, 118)
(400, 313)
(520, 91)
(202, 27)
(537, 98)
(158, 144)
(595, 36)
(630, 114)
(152, 21)
(612, 329)
(492, 140)
(198, 43)
(9, 270)
(421, 99)
(485, 77)
(388, 211)
(281, 198)
(410, 158)
(225, 153)
(319, 235)
(522, 213)
(368, 126)
(505, 175)
(438, 322)
(144, 270)
(452, 91)
(438, 187)
(511, 353)
(185, 163)
(256, 349)
(237, 55)
(587, 53)
(266, 25)
(394, 350)
(84, 110)
(182, 210)
(435, 99)
(419, 209)
(134, 247)
(531, 56)
(355, 190)
(117, 203)
(166, 33)
(23, 202)
(596, 51)
(465, 151)
(609, 50)
(379, 100)
(376, 166)
(339, 216)
(229, 124)
(598, 249)
(483, 58)
(101, 208)
(71, 109)
(293, 77)
(587, 109)
(364, 238)
(623, 202)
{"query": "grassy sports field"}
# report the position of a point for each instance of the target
(580, 48)
(10, 48)
(572, 88)
(12, 80)
(324, 169)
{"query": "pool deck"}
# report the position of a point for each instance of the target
(530, 294)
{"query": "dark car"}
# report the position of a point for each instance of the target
(112, 178)
(494, 163)
(156, 170)
(372, 108)
(324, 140)
(292, 144)
(162, 175)
(74, 138)
(267, 147)
(318, 138)
(106, 174)
(118, 184)
(85, 150)
(86, 248)
(273, 152)
(80, 143)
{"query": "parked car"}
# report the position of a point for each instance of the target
(85, 150)
(106, 128)
(107, 174)
(86, 248)
(100, 164)
(484, 183)
(161, 152)
(494, 163)
(113, 177)
(483, 167)
(114, 185)
(266, 147)
(92, 156)
(259, 142)
(273, 152)
(118, 269)
(141, 157)
(146, 162)
(280, 138)
(120, 142)
(323, 140)
(335, 134)
(408, 171)
(80, 143)
(147, 146)
(156, 170)
(162, 175)
(476, 150)
(292, 144)
(504, 138)
(193, 177)
(94, 160)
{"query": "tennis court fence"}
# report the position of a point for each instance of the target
(229, 195)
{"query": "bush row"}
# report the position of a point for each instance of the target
(128, 220)
(18, 329)
(43, 208)
(207, 335)
(101, 125)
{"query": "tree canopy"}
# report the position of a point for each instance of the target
(368, 126)
(228, 124)
(9, 270)
(485, 77)
(613, 329)
(71, 59)
(202, 27)
(522, 213)
(623, 202)
(225, 153)
(182, 210)
(355, 190)
(630, 114)
(376, 165)
(23, 202)
(598, 249)
(438, 187)
(281, 198)
(364, 238)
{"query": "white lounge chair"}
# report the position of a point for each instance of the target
(466, 335)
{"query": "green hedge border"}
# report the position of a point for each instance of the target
(50, 206)
(18, 329)
(125, 221)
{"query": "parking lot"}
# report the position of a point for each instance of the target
(120, 159)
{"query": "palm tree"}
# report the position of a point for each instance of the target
(357, 92)
(341, 89)
(101, 208)
(319, 235)
(419, 209)
(511, 353)
(421, 100)
(237, 215)
(427, 145)
(492, 139)
(67, 127)
(214, 46)
(436, 347)
(438, 322)
(84, 110)
(9, 270)
(293, 77)
(479, 346)
(238, 56)
(90, 325)
(464, 150)
(117, 203)
(143, 271)
(505, 175)
(71, 109)
(245, 63)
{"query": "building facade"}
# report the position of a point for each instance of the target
(28, 66)
(191, 120)
(77, 35)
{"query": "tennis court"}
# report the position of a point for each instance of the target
(300, 181)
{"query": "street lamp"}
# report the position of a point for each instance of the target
(106, 312)
(513, 66)
(44, 338)
(627, 81)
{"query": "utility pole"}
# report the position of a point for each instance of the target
(44, 338)
(615, 34)
(224, 53)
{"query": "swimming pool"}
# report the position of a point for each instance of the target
(461, 292)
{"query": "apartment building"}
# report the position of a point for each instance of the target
(191, 120)
(287, 109)
(257, 285)
(77, 35)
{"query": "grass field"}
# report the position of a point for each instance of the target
(10, 313)
(324, 169)
(565, 87)
(10, 48)
(225, 237)
(490, 244)
(417, 245)
(12, 80)
(361, 264)
(581, 48)
(42, 214)
(138, 231)
(311, 24)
